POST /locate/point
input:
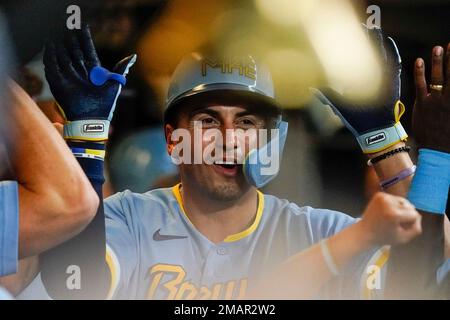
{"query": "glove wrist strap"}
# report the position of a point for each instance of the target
(378, 140)
(88, 130)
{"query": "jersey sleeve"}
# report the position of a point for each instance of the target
(121, 251)
(9, 227)
(4, 295)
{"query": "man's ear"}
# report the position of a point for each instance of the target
(168, 130)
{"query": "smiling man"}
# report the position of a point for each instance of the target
(215, 235)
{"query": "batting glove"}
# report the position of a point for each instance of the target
(86, 93)
(376, 126)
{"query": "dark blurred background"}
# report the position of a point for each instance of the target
(322, 164)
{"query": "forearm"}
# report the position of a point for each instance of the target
(412, 272)
(87, 107)
(390, 167)
(87, 249)
(304, 274)
(56, 199)
(27, 270)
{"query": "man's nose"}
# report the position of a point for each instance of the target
(229, 137)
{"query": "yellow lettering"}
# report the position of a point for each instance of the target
(179, 289)
(216, 291)
(205, 293)
(236, 65)
(242, 289)
(189, 288)
(170, 286)
(250, 71)
(154, 284)
(207, 62)
(229, 290)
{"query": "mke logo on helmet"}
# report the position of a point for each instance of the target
(93, 127)
(229, 66)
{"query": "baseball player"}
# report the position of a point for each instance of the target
(215, 235)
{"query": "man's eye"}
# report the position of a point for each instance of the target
(208, 121)
(247, 122)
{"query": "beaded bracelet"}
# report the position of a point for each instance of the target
(388, 154)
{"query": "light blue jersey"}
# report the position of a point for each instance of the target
(443, 272)
(155, 252)
(9, 227)
(4, 295)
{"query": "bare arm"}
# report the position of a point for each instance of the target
(387, 220)
(56, 199)
(27, 270)
(413, 267)
(391, 166)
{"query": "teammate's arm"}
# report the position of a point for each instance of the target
(87, 95)
(387, 220)
(56, 200)
(27, 270)
(390, 167)
(376, 124)
(413, 268)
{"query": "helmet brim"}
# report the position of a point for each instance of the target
(229, 95)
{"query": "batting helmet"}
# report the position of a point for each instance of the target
(203, 78)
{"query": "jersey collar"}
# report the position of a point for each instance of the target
(234, 237)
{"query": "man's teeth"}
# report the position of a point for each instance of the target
(225, 162)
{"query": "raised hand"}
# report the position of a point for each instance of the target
(431, 115)
(85, 91)
(375, 124)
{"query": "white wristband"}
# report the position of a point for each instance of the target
(381, 139)
(331, 264)
(90, 130)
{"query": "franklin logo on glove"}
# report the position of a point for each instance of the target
(94, 127)
(375, 138)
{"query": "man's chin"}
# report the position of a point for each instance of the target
(218, 186)
(225, 194)
(226, 190)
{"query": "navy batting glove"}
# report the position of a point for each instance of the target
(85, 91)
(376, 126)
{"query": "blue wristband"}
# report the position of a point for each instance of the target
(92, 167)
(429, 188)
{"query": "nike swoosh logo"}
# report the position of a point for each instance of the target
(163, 237)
